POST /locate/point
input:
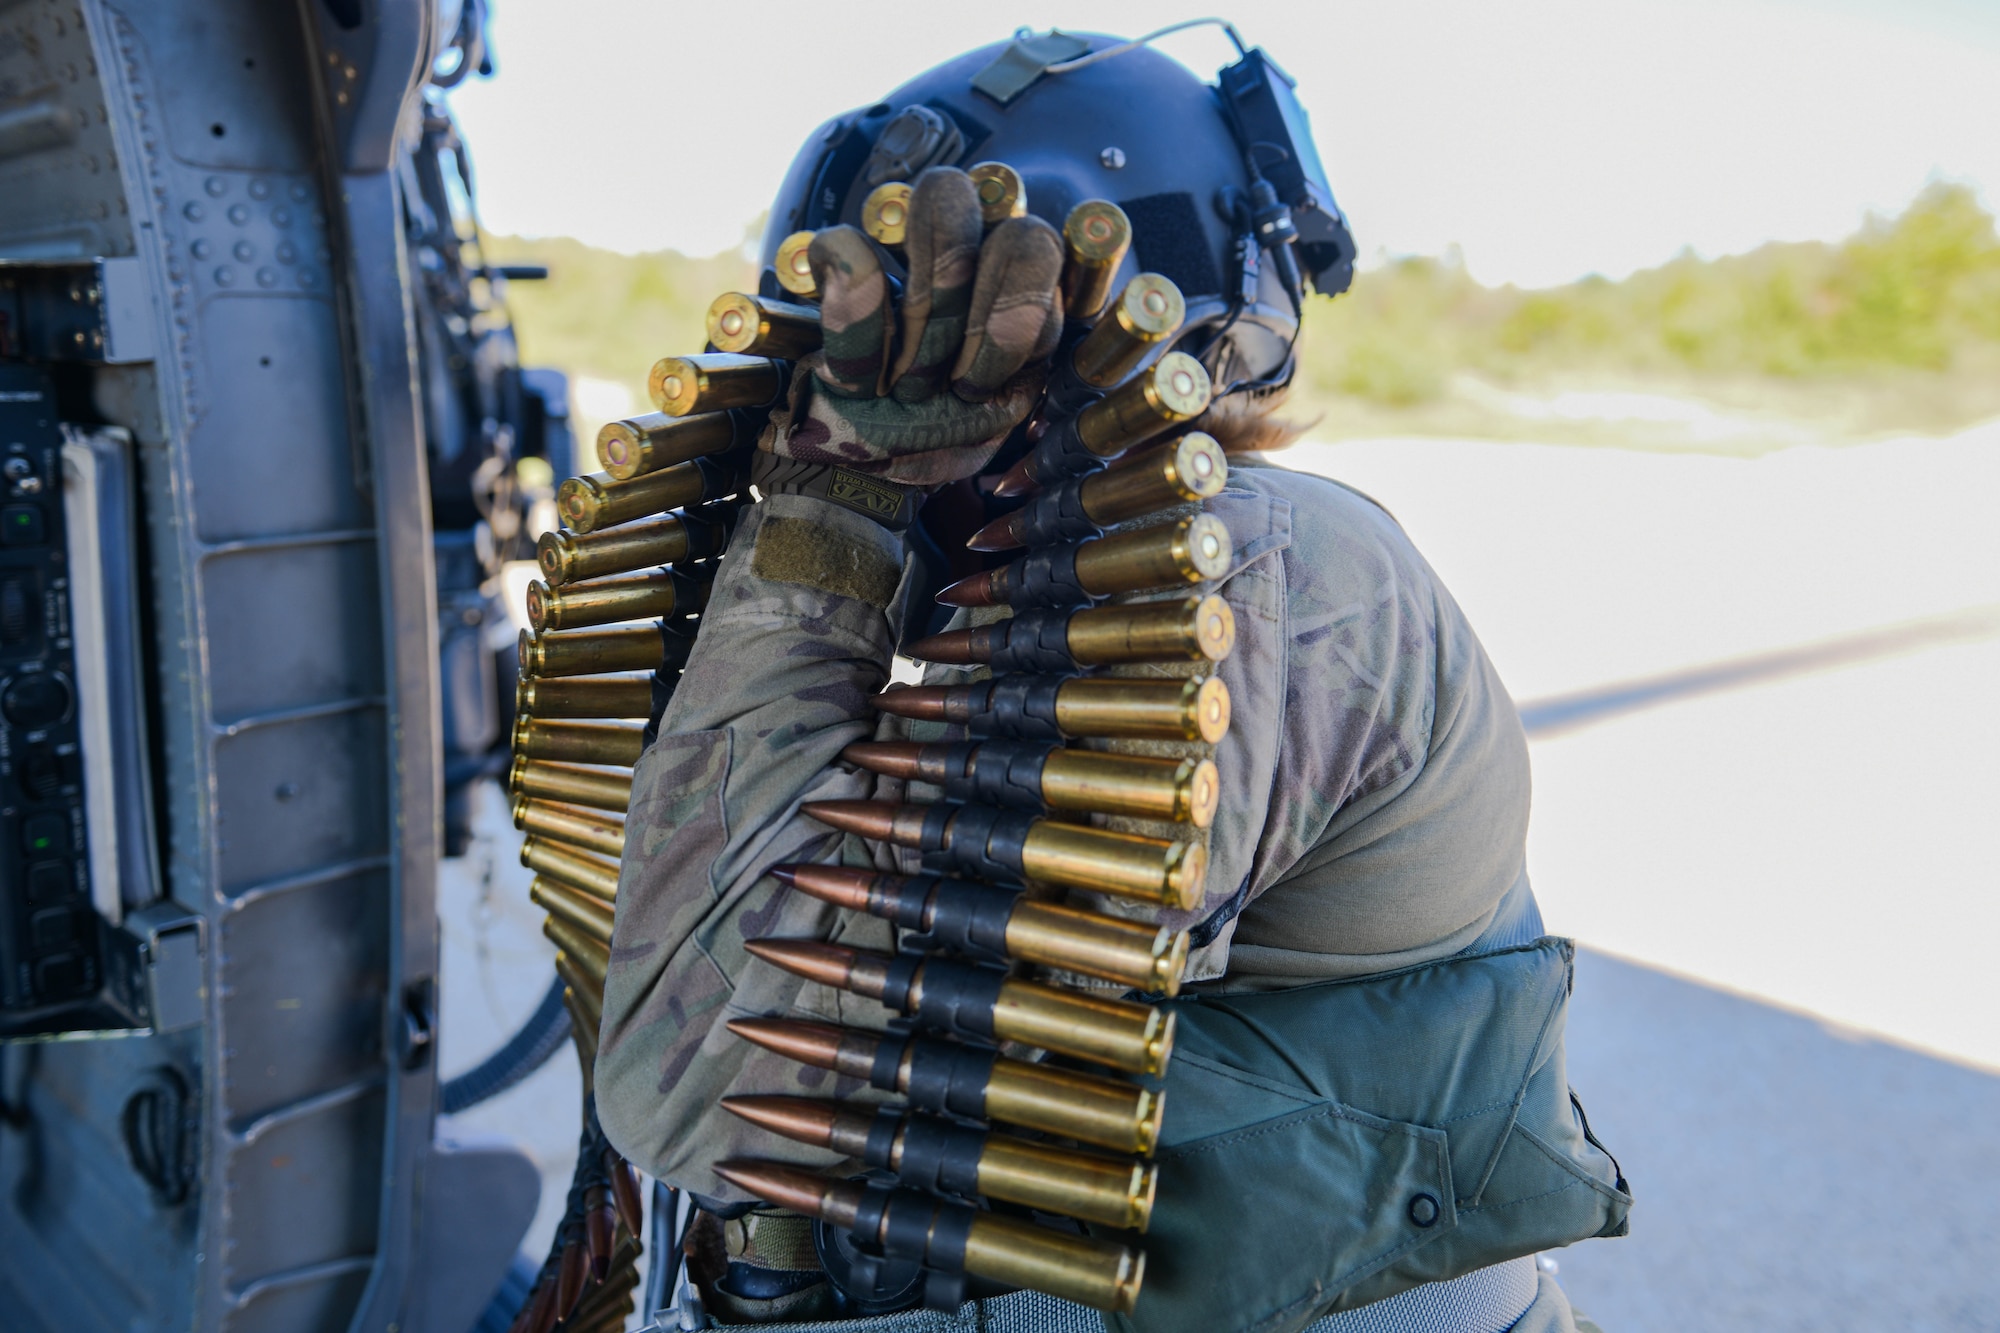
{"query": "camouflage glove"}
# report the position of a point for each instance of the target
(977, 322)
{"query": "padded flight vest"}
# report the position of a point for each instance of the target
(1328, 1146)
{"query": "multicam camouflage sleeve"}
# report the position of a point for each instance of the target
(797, 636)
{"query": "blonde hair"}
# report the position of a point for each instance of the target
(1243, 423)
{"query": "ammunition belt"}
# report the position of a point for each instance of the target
(1073, 777)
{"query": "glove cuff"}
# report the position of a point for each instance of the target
(894, 507)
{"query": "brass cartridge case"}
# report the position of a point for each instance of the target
(587, 914)
(1096, 235)
(585, 696)
(1115, 1191)
(1001, 192)
(591, 958)
(1194, 709)
(1147, 313)
(1087, 1027)
(1096, 1273)
(1078, 856)
(1145, 957)
(637, 445)
(1183, 471)
(1193, 550)
(793, 268)
(590, 994)
(583, 1027)
(885, 213)
(592, 652)
(1182, 791)
(613, 744)
(1137, 1038)
(572, 824)
(1124, 864)
(1173, 389)
(759, 326)
(570, 783)
(1133, 953)
(1103, 1112)
(1101, 1274)
(1121, 1116)
(608, 601)
(1192, 628)
(572, 866)
(568, 557)
(1195, 627)
(682, 386)
(588, 504)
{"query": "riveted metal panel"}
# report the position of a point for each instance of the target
(308, 978)
(300, 622)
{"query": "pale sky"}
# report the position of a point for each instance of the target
(1546, 138)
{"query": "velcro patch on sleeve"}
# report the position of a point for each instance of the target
(813, 555)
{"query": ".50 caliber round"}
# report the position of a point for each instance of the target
(573, 557)
(1096, 235)
(573, 866)
(590, 652)
(608, 601)
(682, 386)
(1147, 313)
(590, 829)
(793, 267)
(615, 744)
(572, 784)
(1195, 709)
(1115, 1191)
(598, 500)
(584, 696)
(885, 213)
(583, 911)
(759, 326)
(647, 443)
(1001, 193)
(1175, 389)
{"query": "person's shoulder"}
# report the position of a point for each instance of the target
(1326, 514)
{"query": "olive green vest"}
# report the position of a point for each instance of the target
(1329, 1146)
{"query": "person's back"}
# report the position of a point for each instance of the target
(1366, 1109)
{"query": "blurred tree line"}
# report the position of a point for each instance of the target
(1896, 327)
(1919, 292)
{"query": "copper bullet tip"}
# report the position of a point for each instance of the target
(868, 819)
(785, 875)
(976, 590)
(999, 535)
(814, 1044)
(1018, 481)
(923, 702)
(896, 759)
(798, 1118)
(786, 1186)
(828, 964)
(953, 647)
(839, 885)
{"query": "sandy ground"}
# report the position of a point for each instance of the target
(1816, 842)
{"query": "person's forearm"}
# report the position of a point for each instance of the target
(795, 638)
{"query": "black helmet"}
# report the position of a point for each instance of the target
(1219, 181)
